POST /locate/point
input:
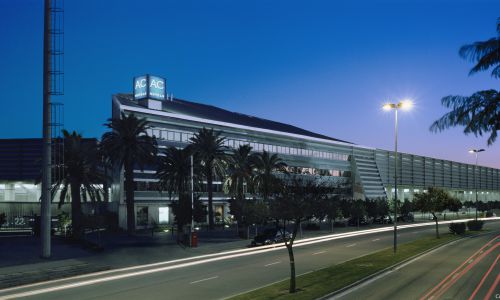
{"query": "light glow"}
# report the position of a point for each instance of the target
(387, 106)
(406, 104)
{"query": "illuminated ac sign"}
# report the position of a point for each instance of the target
(150, 87)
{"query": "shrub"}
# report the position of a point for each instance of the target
(457, 228)
(3, 219)
(312, 226)
(475, 225)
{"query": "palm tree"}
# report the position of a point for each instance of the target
(174, 172)
(478, 113)
(210, 150)
(240, 172)
(128, 145)
(80, 176)
(265, 180)
(486, 54)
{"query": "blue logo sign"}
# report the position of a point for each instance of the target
(149, 86)
(156, 88)
(140, 87)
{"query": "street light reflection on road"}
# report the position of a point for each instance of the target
(185, 262)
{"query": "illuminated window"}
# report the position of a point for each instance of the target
(163, 215)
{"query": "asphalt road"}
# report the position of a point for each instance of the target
(467, 269)
(219, 275)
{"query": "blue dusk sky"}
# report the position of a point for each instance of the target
(326, 66)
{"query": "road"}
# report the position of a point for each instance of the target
(467, 269)
(219, 275)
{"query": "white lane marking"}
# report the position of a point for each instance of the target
(201, 280)
(351, 245)
(370, 281)
(316, 253)
(160, 266)
(277, 262)
(374, 240)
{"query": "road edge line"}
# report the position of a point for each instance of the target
(389, 269)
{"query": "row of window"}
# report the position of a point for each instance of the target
(185, 137)
(316, 171)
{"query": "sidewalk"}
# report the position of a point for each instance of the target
(20, 264)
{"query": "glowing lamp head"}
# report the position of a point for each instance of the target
(406, 104)
(388, 106)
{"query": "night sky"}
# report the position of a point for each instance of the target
(325, 66)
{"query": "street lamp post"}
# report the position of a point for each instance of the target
(476, 151)
(192, 204)
(405, 105)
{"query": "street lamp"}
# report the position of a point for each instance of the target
(404, 105)
(475, 151)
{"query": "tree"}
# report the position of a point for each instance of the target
(433, 201)
(183, 212)
(357, 210)
(240, 173)
(127, 146)
(454, 205)
(80, 176)
(330, 209)
(209, 147)
(174, 173)
(478, 113)
(293, 205)
(485, 54)
(265, 181)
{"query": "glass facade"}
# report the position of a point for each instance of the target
(185, 137)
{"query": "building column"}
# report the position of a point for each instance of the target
(10, 192)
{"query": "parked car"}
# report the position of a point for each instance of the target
(406, 218)
(354, 221)
(383, 220)
(271, 236)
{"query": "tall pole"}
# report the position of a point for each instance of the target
(476, 152)
(192, 203)
(395, 178)
(46, 151)
(405, 104)
(475, 182)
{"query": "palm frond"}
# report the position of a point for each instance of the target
(478, 114)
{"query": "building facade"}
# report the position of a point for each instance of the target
(368, 171)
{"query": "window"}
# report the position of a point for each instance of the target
(177, 136)
(163, 214)
(142, 216)
(170, 136)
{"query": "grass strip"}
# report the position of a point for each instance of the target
(322, 282)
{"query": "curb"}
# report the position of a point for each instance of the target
(392, 267)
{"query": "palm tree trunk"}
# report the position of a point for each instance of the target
(76, 211)
(210, 199)
(129, 197)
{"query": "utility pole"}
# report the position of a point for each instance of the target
(45, 218)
